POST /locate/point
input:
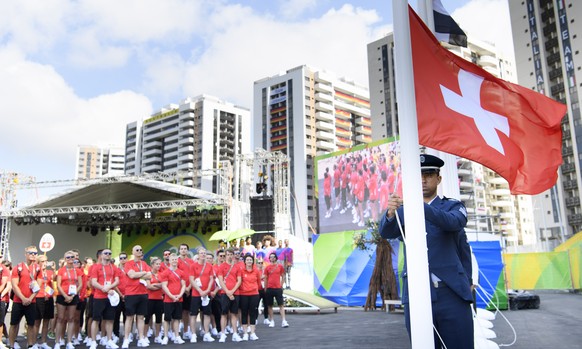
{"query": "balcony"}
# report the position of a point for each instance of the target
(566, 168)
(363, 139)
(186, 116)
(364, 130)
(186, 166)
(186, 132)
(342, 114)
(322, 125)
(324, 135)
(571, 184)
(573, 201)
(567, 151)
(152, 152)
(497, 180)
(323, 106)
(465, 185)
(575, 219)
(186, 157)
(323, 116)
(488, 61)
(154, 167)
(186, 140)
(324, 96)
(325, 145)
(323, 87)
(363, 121)
(502, 203)
(500, 192)
(464, 172)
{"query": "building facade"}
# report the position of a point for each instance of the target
(93, 161)
(490, 206)
(306, 112)
(194, 135)
(545, 36)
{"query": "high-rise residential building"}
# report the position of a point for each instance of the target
(94, 161)
(194, 135)
(547, 48)
(305, 112)
(490, 205)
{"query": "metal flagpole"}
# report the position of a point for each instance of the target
(420, 307)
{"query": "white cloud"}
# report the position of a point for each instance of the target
(476, 19)
(42, 118)
(255, 47)
(86, 51)
(294, 8)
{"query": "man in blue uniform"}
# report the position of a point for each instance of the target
(448, 250)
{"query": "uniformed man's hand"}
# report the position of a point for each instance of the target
(393, 203)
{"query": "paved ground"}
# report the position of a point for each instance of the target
(556, 324)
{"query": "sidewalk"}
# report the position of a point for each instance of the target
(555, 324)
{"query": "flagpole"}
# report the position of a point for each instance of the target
(421, 331)
(450, 184)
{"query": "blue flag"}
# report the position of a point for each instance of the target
(445, 27)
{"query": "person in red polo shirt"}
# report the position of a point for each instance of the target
(120, 309)
(155, 300)
(229, 278)
(45, 304)
(274, 277)
(174, 286)
(249, 297)
(69, 283)
(201, 280)
(25, 288)
(136, 296)
(184, 263)
(104, 278)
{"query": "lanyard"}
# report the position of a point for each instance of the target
(202, 272)
(105, 274)
(139, 266)
(178, 276)
(69, 273)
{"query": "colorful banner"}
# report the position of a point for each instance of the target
(342, 272)
(538, 271)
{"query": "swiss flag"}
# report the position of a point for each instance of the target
(466, 111)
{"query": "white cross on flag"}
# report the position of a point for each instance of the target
(466, 111)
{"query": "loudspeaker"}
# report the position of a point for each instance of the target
(262, 218)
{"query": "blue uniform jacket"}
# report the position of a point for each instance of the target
(447, 244)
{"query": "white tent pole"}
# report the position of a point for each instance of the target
(417, 257)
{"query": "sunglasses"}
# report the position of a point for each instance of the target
(138, 250)
(32, 253)
(76, 262)
(107, 253)
(259, 262)
(69, 257)
(220, 255)
(122, 257)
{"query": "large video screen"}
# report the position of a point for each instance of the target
(353, 185)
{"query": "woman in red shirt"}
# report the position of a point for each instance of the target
(174, 286)
(45, 304)
(249, 297)
(155, 299)
(69, 283)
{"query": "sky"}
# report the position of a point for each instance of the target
(76, 72)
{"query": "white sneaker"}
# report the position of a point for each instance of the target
(93, 345)
(178, 340)
(245, 337)
(61, 342)
(158, 340)
(272, 323)
(193, 338)
(187, 335)
(171, 335)
(240, 329)
(164, 341)
(45, 346)
(143, 343)
(253, 337)
(70, 346)
(125, 344)
(214, 332)
(103, 341)
(76, 341)
(222, 338)
(236, 337)
(228, 330)
(98, 336)
(266, 322)
(89, 342)
(284, 324)
(111, 345)
(208, 338)
(150, 333)
(249, 329)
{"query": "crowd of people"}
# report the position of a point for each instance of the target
(174, 298)
(360, 183)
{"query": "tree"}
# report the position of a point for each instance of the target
(383, 280)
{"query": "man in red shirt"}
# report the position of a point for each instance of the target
(174, 286)
(229, 278)
(104, 278)
(120, 309)
(136, 296)
(274, 277)
(45, 305)
(184, 264)
(25, 288)
(201, 280)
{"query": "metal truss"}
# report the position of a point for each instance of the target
(110, 208)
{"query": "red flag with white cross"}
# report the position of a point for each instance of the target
(464, 110)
